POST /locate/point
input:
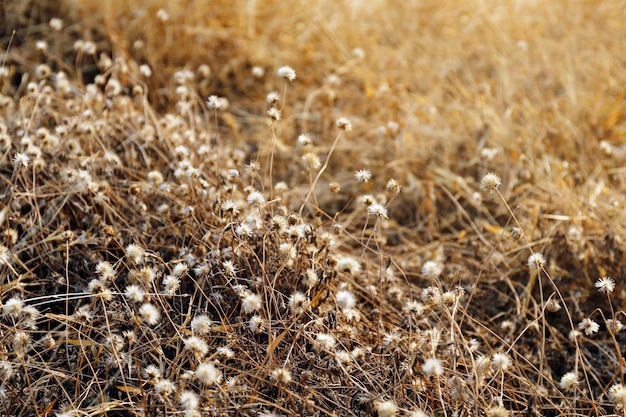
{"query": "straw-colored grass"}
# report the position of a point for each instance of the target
(427, 220)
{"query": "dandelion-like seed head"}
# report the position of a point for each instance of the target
(20, 160)
(344, 124)
(432, 367)
(386, 408)
(208, 374)
(569, 381)
(345, 299)
(536, 260)
(196, 345)
(617, 393)
(150, 313)
(432, 269)
(500, 361)
(378, 210)
(281, 375)
(588, 326)
(287, 73)
(490, 182)
(605, 285)
(250, 303)
(274, 114)
(13, 307)
(189, 400)
(201, 324)
(363, 175)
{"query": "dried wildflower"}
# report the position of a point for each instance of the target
(229, 268)
(324, 341)
(281, 375)
(196, 345)
(414, 308)
(344, 124)
(432, 269)
(226, 352)
(287, 73)
(569, 381)
(432, 367)
(393, 187)
(208, 374)
(171, 284)
(256, 198)
(498, 411)
(274, 114)
(552, 305)
(386, 408)
(490, 182)
(189, 400)
(164, 387)
(617, 393)
(214, 102)
(363, 175)
(588, 326)
(56, 24)
(231, 207)
(13, 307)
(348, 264)
(201, 324)
(258, 72)
(250, 303)
(605, 285)
(20, 160)
(311, 161)
(500, 361)
(134, 293)
(297, 302)
(536, 261)
(345, 299)
(152, 372)
(256, 324)
(150, 313)
(136, 253)
(614, 325)
(378, 210)
(272, 98)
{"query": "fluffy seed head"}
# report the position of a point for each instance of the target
(189, 400)
(569, 381)
(500, 361)
(536, 260)
(588, 326)
(250, 303)
(287, 73)
(208, 374)
(150, 314)
(386, 408)
(432, 367)
(13, 307)
(345, 299)
(363, 175)
(201, 324)
(281, 375)
(605, 285)
(617, 393)
(198, 346)
(490, 182)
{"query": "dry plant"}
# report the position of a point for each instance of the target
(318, 208)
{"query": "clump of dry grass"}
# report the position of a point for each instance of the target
(262, 210)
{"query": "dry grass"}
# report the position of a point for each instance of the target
(165, 252)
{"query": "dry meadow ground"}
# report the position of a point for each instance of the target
(312, 208)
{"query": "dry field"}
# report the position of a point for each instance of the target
(312, 208)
